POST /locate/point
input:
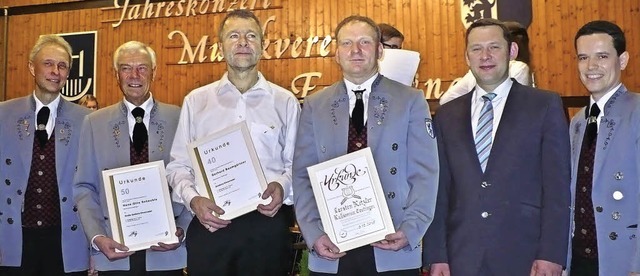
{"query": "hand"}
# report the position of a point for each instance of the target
(168, 247)
(439, 269)
(204, 209)
(108, 247)
(326, 249)
(275, 191)
(545, 268)
(394, 241)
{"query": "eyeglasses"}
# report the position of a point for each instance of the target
(390, 46)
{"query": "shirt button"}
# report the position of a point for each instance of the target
(10, 220)
(485, 184)
(599, 209)
(584, 189)
(39, 223)
(8, 161)
(582, 210)
(485, 214)
(38, 206)
(41, 157)
(613, 236)
(391, 195)
(586, 169)
(40, 173)
(393, 170)
(7, 181)
(583, 231)
(39, 190)
(587, 250)
(74, 227)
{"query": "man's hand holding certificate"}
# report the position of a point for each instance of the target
(352, 205)
(230, 178)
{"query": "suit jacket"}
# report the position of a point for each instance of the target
(403, 146)
(16, 132)
(514, 212)
(616, 170)
(105, 144)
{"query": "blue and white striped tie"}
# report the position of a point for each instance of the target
(484, 130)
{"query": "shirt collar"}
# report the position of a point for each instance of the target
(227, 86)
(147, 106)
(603, 101)
(501, 91)
(53, 105)
(365, 85)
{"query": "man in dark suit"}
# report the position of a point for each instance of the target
(40, 233)
(396, 125)
(137, 130)
(503, 199)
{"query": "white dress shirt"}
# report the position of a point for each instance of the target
(53, 113)
(601, 103)
(271, 113)
(502, 92)
(147, 106)
(365, 95)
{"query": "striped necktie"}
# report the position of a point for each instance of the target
(484, 130)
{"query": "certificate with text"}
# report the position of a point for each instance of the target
(350, 200)
(228, 170)
(139, 204)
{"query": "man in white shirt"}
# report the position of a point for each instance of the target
(257, 243)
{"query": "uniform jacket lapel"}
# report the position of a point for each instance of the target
(25, 125)
(608, 127)
(120, 139)
(377, 107)
(156, 130)
(340, 119)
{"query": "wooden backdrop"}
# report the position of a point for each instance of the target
(432, 27)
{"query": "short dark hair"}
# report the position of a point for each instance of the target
(520, 37)
(355, 18)
(245, 14)
(484, 22)
(388, 32)
(604, 27)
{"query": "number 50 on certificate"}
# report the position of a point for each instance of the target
(138, 199)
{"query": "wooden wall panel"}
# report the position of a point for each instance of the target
(432, 27)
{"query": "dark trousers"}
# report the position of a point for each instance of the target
(581, 266)
(252, 244)
(138, 267)
(361, 261)
(41, 254)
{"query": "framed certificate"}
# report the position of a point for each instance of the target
(350, 200)
(139, 205)
(228, 170)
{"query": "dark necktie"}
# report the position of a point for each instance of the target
(591, 131)
(139, 129)
(357, 116)
(41, 127)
